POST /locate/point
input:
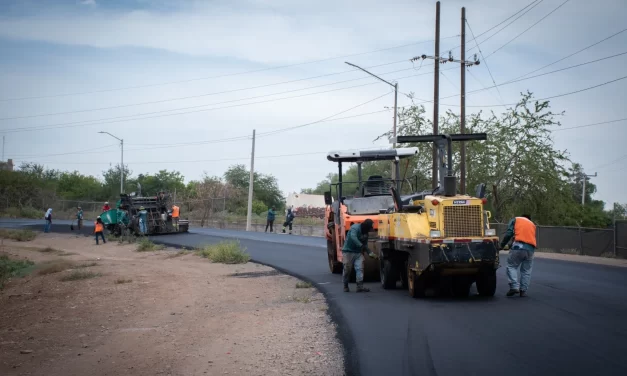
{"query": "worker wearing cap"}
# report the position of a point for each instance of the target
(99, 230)
(523, 232)
(175, 216)
(79, 217)
(143, 219)
(352, 253)
(289, 219)
(106, 207)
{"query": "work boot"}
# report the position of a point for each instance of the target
(346, 289)
(361, 288)
(513, 292)
(523, 293)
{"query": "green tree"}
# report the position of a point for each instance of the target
(74, 186)
(169, 181)
(265, 187)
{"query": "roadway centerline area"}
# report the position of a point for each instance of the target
(573, 321)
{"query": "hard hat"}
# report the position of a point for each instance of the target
(106, 202)
(141, 208)
(98, 217)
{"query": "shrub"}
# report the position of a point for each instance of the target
(226, 252)
(19, 235)
(12, 268)
(55, 267)
(303, 285)
(146, 245)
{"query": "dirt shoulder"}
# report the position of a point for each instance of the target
(576, 258)
(158, 313)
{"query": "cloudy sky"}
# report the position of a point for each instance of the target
(184, 83)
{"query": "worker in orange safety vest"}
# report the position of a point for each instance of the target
(523, 232)
(99, 230)
(175, 216)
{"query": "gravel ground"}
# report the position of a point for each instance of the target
(159, 313)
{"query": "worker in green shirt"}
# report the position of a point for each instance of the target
(352, 253)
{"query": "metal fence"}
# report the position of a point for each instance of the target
(611, 242)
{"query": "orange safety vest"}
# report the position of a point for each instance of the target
(98, 227)
(175, 211)
(525, 231)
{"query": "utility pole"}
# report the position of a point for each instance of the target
(2, 148)
(583, 190)
(462, 115)
(436, 93)
(121, 160)
(250, 187)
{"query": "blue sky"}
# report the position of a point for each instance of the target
(91, 47)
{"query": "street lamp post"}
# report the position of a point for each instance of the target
(121, 161)
(395, 86)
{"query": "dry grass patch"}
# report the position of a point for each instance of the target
(120, 281)
(56, 266)
(146, 245)
(49, 250)
(18, 235)
(303, 285)
(13, 268)
(76, 275)
(87, 265)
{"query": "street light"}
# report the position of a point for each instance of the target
(122, 161)
(395, 86)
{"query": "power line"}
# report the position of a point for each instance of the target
(527, 29)
(87, 151)
(132, 117)
(588, 125)
(574, 53)
(219, 76)
(504, 27)
(485, 61)
(216, 93)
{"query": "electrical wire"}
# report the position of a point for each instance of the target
(91, 150)
(219, 92)
(588, 125)
(132, 117)
(218, 76)
(485, 61)
(527, 29)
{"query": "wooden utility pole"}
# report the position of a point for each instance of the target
(462, 116)
(436, 96)
(249, 215)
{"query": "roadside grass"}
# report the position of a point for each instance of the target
(126, 238)
(76, 275)
(226, 252)
(49, 250)
(179, 254)
(13, 268)
(145, 245)
(608, 255)
(18, 235)
(303, 285)
(563, 251)
(301, 299)
(120, 281)
(24, 212)
(87, 265)
(56, 266)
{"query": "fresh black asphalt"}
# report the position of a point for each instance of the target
(573, 323)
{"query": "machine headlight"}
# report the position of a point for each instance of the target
(435, 234)
(490, 232)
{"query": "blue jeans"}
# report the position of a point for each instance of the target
(102, 236)
(142, 226)
(523, 259)
(47, 226)
(353, 260)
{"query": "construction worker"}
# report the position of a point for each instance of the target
(79, 218)
(99, 230)
(106, 207)
(48, 218)
(523, 232)
(270, 219)
(352, 253)
(175, 216)
(143, 219)
(289, 218)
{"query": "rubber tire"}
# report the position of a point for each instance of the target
(389, 274)
(334, 266)
(486, 282)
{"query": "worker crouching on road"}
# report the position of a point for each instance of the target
(289, 218)
(523, 232)
(175, 216)
(352, 253)
(99, 230)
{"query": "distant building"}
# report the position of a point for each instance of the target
(8, 165)
(306, 205)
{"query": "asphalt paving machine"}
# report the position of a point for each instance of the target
(372, 196)
(124, 219)
(442, 242)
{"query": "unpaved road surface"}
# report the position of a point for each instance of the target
(159, 313)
